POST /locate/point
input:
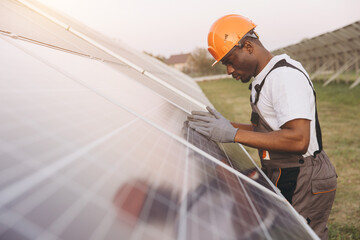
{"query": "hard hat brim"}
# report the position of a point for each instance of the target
(212, 65)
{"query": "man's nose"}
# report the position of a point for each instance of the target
(229, 69)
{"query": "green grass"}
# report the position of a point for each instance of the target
(339, 114)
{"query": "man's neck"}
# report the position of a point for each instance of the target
(264, 59)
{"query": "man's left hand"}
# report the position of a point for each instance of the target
(213, 126)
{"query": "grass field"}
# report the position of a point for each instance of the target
(339, 114)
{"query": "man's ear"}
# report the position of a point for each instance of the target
(248, 46)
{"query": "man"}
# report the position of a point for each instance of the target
(285, 127)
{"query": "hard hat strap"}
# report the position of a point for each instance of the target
(251, 34)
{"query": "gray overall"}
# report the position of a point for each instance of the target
(308, 183)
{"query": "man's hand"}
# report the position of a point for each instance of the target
(212, 125)
(195, 114)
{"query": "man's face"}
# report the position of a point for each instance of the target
(240, 63)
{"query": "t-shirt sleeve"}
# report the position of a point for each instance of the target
(292, 95)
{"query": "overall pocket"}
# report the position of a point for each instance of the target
(319, 186)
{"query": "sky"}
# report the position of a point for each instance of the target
(167, 27)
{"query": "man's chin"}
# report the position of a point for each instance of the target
(242, 80)
(246, 80)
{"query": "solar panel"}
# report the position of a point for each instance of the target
(93, 149)
(333, 53)
(36, 27)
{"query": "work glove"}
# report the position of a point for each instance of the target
(212, 125)
(195, 114)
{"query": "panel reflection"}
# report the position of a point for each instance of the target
(215, 208)
(220, 206)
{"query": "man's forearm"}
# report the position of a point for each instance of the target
(293, 137)
(247, 127)
(281, 141)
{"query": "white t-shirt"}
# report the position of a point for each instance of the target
(286, 95)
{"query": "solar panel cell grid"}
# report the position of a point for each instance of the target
(24, 22)
(41, 29)
(109, 84)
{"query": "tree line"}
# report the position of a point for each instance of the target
(199, 63)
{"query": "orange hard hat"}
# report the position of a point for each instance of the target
(225, 33)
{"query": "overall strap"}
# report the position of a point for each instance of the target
(258, 87)
(284, 63)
